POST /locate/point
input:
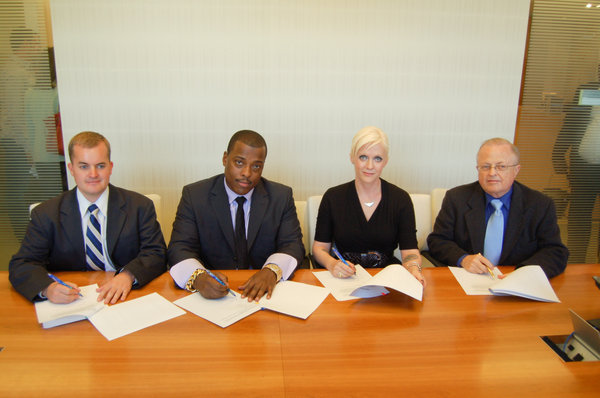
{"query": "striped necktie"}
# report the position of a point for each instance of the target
(494, 234)
(94, 256)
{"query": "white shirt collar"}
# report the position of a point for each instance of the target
(233, 196)
(101, 202)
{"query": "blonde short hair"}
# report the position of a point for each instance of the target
(369, 136)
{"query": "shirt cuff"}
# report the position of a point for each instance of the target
(459, 262)
(284, 261)
(182, 271)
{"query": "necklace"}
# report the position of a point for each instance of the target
(368, 204)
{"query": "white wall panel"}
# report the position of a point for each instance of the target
(169, 81)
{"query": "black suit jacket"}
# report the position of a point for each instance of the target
(203, 228)
(532, 235)
(54, 240)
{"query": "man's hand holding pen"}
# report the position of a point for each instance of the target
(209, 287)
(478, 264)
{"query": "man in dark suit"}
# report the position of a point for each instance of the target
(236, 220)
(529, 232)
(95, 226)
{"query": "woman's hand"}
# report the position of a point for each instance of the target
(341, 270)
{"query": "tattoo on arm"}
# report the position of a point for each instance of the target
(409, 257)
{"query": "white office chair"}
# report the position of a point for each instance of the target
(312, 209)
(437, 197)
(301, 212)
(422, 205)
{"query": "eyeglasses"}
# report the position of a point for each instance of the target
(498, 167)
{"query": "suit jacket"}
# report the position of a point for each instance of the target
(54, 240)
(203, 228)
(531, 237)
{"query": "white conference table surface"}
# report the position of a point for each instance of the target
(448, 345)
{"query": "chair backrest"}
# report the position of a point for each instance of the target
(155, 198)
(302, 217)
(312, 209)
(437, 197)
(422, 205)
(32, 206)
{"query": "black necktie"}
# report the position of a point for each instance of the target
(241, 245)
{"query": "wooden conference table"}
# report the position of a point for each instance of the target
(449, 345)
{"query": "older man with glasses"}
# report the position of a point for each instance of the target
(496, 220)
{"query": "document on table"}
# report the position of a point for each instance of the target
(528, 281)
(50, 314)
(223, 312)
(130, 316)
(475, 284)
(295, 299)
(289, 298)
(363, 285)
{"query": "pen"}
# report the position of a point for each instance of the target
(220, 281)
(55, 279)
(488, 268)
(337, 253)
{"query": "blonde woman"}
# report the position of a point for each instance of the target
(368, 218)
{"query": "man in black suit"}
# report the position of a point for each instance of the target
(236, 220)
(530, 231)
(95, 226)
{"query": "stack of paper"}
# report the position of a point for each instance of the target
(114, 321)
(290, 298)
(363, 285)
(529, 282)
(51, 314)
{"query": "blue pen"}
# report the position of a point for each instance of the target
(337, 253)
(55, 279)
(220, 281)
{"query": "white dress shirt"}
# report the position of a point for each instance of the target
(183, 270)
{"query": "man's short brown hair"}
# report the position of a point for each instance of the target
(87, 139)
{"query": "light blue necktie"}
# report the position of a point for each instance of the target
(494, 234)
(93, 241)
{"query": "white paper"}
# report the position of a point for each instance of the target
(295, 299)
(396, 277)
(475, 284)
(51, 314)
(363, 285)
(223, 312)
(289, 298)
(528, 281)
(121, 319)
(342, 288)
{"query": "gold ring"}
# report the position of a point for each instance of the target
(339, 274)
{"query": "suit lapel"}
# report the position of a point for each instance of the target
(219, 202)
(116, 218)
(258, 208)
(514, 225)
(473, 217)
(70, 222)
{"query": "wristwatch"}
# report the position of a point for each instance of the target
(275, 268)
(189, 286)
